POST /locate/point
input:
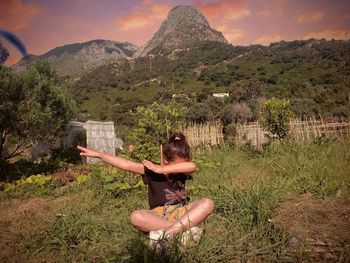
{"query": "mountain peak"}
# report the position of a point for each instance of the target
(185, 26)
(187, 12)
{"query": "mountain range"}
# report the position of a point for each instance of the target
(187, 56)
(184, 27)
(82, 57)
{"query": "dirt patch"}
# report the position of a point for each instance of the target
(320, 227)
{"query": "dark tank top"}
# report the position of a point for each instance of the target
(163, 191)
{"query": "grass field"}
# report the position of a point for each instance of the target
(289, 204)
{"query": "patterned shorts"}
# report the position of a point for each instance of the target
(172, 212)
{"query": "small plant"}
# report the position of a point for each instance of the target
(34, 185)
(275, 117)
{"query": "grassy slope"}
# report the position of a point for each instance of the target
(247, 188)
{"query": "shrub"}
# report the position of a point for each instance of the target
(275, 116)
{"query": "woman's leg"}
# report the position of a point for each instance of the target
(148, 220)
(198, 212)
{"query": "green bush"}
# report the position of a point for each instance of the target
(34, 185)
(275, 117)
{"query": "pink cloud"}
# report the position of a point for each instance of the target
(231, 34)
(234, 14)
(310, 18)
(16, 15)
(230, 10)
(330, 34)
(146, 14)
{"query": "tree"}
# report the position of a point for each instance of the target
(33, 107)
(154, 125)
(198, 112)
(246, 90)
(215, 106)
(275, 116)
(236, 113)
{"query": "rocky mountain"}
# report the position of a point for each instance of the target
(81, 57)
(184, 26)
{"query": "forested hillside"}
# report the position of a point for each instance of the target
(312, 74)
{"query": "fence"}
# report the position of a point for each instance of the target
(209, 134)
(300, 131)
(307, 130)
(206, 134)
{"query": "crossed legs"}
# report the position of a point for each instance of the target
(148, 220)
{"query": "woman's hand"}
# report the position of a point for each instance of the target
(153, 167)
(87, 152)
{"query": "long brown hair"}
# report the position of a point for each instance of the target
(177, 146)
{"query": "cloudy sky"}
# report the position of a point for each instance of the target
(43, 25)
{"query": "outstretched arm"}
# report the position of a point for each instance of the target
(116, 161)
(182, 167)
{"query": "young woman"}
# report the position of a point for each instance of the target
(169, 211)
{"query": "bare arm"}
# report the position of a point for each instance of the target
(187, 168)
(116, 161)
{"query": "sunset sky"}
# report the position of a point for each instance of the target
(43, 25)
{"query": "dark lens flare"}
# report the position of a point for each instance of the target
(14, 41)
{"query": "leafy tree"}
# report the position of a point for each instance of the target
(32, 107)
(275, 116)
(246, 90)
(215, 106)
(198, 112)
(154, 125)
(236, 113)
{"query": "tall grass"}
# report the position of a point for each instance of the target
(89, 222)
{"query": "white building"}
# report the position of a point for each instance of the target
(221, 95)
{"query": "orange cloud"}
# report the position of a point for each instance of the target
(230, 10)
(231, 34)
(146, 14)
(16, 15)
(330, 34)
(234, 14)
(310, 18)
(266, 40)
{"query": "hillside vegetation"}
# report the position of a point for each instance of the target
(312, 74)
